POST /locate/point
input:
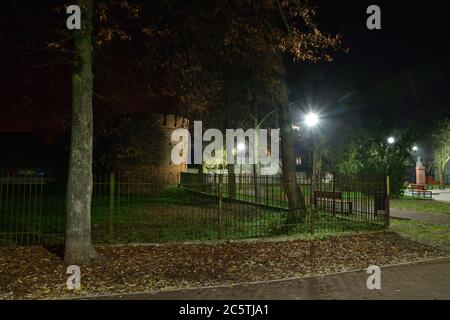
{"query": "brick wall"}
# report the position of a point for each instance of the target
(151, 133)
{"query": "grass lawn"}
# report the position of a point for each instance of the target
(436, 186)
(421, 205)
(172, 215)
(422, 232)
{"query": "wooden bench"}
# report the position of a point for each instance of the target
(331, 199)
(420, 190)
(418, 187)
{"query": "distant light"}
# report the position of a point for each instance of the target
(311, 119)
(241, 147)
(415, 148)
(391, 140)
(295, 128)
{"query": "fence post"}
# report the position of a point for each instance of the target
(313, 205)
(267, 190)
(388, 191)
(219, 213)
(334, 194)
(112, 183)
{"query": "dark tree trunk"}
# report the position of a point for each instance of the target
(296, 200)
(78, 244)
(442, 176)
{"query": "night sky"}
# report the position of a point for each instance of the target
(407, 60)
(410, 51)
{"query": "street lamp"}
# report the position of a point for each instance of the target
(415, 150)
(311, 119)
(391, 141)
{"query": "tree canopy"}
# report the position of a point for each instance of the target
(441, 147)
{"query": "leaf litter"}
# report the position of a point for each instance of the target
(36, 272)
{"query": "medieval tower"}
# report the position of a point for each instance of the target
(145, 141)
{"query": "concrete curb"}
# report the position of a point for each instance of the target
(305, 237)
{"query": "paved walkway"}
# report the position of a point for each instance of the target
(427, 280)
(441, 195)
(420, 216)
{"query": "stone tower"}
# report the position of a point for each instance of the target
(148, 136)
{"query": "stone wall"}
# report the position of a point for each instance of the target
(149, 136)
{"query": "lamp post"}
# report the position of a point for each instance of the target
(390, 143)
(415, 150)
(420, 168)
(311, 121)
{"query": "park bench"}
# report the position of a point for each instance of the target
(420, 190)
(330, 199)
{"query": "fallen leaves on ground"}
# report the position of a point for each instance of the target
(37, 272)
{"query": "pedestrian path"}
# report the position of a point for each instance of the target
(426, 280)
(439, 219)
(442, 195)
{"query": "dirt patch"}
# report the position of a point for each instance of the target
(36, 272)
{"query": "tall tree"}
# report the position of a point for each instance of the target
(441, 148)
(78, 244)
(369, 153)
(254, 34)
(59, 50)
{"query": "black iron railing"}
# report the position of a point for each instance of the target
(130, 207)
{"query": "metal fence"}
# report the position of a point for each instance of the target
(129, 207)
(354, 198)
